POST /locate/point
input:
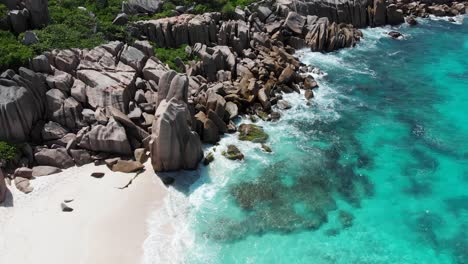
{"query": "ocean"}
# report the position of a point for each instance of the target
(373, 170)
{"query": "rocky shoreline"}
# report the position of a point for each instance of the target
(118, 104)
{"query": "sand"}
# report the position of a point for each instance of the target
(108, 224)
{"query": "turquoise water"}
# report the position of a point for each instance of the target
(375, 170)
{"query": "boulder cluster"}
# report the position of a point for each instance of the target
(374, 13)
(262, 27)
(24, 15)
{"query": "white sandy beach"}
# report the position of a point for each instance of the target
(108, 224)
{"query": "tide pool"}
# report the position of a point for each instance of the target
(374, 170)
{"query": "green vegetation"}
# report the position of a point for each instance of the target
(7, 151)
(13, 54)
(168, 56)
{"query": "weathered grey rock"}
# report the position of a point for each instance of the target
(180, 9)
(108, 83)
(78, 91)
(23, 172)
(263, 98)
(133, 57)
(287, 75)
(120, 19)
(110, 138)
(263, 12)
(19, 20)
(63, 110)
(232, 109)
(127, 166)
(21, 106)
(140, 155)
(39, 11)
(394, 15)
(145, 46)
(295, 22)
(173, 145)
(131, 128)
(142, 6)
(41, 64)
(66, 208)
(67, 60)
(60, 80)
(3, 187)
(54, 157)
(23, 185)
(222, 128)
(283, 104)
(411, 20)
(208, 129)
(80, 156)
(30, 38)
(239, 14)
(52, 131)
(39, 171)
(380, 13)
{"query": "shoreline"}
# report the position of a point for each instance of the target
(108, 225)
(115, 234)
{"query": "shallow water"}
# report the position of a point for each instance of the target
(374, 171)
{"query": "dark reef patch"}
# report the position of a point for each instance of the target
(296, 194)
(457, 205)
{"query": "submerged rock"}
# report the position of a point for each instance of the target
(233, 153)
(266, 148)
(346, 219)
(395, 34)
(208, 158)
(411, 20)
(253, 133)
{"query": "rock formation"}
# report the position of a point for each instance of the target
(26, 14)
(174, 145)
(3, 187)
(21, 103)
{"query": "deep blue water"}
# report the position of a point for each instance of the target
(374, 171)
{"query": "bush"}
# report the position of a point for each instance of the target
(168, 56)
(7, 151)
(61, 36)
(13, 54)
